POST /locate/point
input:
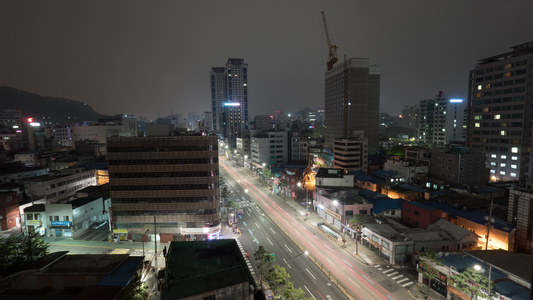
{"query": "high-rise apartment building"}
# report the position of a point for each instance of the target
(170, 180)
(500, 104)
(442, 120)
(352, 102)
(229, 97)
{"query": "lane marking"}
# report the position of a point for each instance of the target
(309, 292)
(394, 278)
(407, 284)
(402, 280)
(392, 274)
(288, 248)
(249, 230)
(310, 273)
(330, 261)
(261, 218)
(257, 225)
(389, 270)
(329, 248)
(368, 279)
(287, 263)
(270, 242)
(244, 223)
(347, 262)
(248, 214)
(353, 282)
(272, 230)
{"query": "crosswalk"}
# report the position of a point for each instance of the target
(245, 258)
(394, 275)
(120, 251)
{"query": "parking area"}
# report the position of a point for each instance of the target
(100, 234)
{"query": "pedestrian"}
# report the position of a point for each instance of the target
(165, 251)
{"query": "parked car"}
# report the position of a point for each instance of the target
(99, 225)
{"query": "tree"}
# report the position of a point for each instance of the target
(19, 250)
(263, 264)
(278, 278)
(470, 281)
(427, 265)
(292, 293)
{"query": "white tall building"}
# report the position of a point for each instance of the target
(269, 147)
(442, 120)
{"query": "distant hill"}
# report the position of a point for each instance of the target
(46, 109)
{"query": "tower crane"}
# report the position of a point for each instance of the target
(332, 55)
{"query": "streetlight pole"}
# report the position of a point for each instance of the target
(142, 238)
(478, 268)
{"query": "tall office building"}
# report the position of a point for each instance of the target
(170, 180)
(500, 104)
(352, 102)
(229, 97)
(442, 120)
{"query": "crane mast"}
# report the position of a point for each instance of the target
(332, 55)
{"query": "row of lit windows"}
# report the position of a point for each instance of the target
(498, 117)
(166, 212)
(163, 148)
(164, 174)
(501, 67)
(165, 200)
(498, 124)
(503, 156)
(496, 132)
(181, 161)
(499, 108)
(503, 165)
(171, 187)
(503, 173)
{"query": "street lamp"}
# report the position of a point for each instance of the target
(478, 268)
(142, 238)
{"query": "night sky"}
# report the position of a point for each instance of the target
(149, 58)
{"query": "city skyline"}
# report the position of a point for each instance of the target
(149, 60)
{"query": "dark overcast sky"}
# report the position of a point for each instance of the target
(152, 57)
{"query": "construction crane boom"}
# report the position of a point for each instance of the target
(332, 55)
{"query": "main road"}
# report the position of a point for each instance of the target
(359, 280)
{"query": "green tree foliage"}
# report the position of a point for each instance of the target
(470, 282)
(398, 150)
(19, 250)
(291, 293)
(135, 291)
(262, 264)
(427, 266)
(278, 278)
(357, 224)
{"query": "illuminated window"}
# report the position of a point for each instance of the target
(493, 163)
(478, 125)
(487, 86)
(508, 66)
(493, 155)
(503, 132)
(507, 74)
(503, 165)
(503, 157)
(513, 174)
(514, 150)
(497, 117)
(514, 157)
(479, 87)
(477, 117)
(502, 172)
(493, 171)
(514, 166)
(478, 95)
(485, 109)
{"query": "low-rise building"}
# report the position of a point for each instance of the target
(338, 205)
(83, 276)
(61, 185)
(213, 269)
(9, 210)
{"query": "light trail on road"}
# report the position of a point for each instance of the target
(281, 215)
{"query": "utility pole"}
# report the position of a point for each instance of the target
(489, 221)
(155, 243)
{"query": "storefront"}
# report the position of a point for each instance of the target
(60, 229)
(120, 235)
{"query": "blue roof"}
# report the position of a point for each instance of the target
(384, 174)
(384, 204)
(423, 206)
(474, 216)
(122, 274)
(368, 194)
(366, 178)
